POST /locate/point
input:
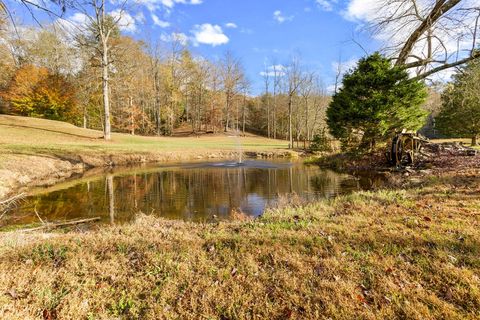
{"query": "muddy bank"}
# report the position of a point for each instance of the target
(18, 172)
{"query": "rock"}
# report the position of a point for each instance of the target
(472, 152)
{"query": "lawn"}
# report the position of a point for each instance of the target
(30, 135)
(405, 254)
(410, 253)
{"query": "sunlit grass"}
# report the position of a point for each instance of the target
(411, 253)
(30, 135)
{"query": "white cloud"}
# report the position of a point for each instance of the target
(75, 24)
(125, 21)
(153, 5)
(79, 19)
(331, 89)
(231, 25)
(278, 70)
(140, 17)
(171, 3)
(209, 34)
(182, 38)
(158, 22)
(344, 66)
(280, 18)
(326, 5)
(366, 10)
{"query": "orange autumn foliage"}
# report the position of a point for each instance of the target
(35, 92)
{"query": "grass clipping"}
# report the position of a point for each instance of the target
(371, 255)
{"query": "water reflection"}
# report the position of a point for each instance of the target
(194, 192)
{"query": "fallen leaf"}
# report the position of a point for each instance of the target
(49, 314)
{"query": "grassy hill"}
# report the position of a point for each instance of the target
(21, 134)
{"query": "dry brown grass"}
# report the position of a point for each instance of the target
(407, 254)
(31, 135)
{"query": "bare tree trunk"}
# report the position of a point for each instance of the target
(106, 100)
(85, 117)
(474, 140)
(290, 134)
(132, 117)
(274, 116)
(307, 132)
(243, 116)
(227, 108)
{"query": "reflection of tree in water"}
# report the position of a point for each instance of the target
(327, 183)
(188, 193)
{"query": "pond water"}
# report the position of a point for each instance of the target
(198, 191)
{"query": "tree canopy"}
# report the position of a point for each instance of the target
(36, 92)
(375, 100)
(460, 113)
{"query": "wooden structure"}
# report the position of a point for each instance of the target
(404, 148)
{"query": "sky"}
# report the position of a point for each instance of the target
(258, 32)
(265, 32)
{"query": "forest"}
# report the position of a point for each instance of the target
(154, 89)
(93, 75)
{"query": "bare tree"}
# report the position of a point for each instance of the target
(266, 80)
(232, 77)
(294, 80)
(306, 90)
(338, 72)
(278, 72)
(103, 27)
(245, 89)
(428, 36)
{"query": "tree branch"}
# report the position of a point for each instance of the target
(475, 55)
(440, 8)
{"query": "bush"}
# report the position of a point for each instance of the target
(321, 142)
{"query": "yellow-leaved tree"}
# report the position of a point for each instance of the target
(35, 92)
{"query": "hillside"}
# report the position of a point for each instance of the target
(36, 151)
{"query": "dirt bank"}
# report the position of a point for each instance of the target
(18, 172)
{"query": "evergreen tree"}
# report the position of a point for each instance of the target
(376, 99)
(460, 113)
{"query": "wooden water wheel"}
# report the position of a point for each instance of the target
(405, 146)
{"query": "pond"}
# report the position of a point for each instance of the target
(195, 191)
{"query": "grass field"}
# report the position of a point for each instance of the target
(409, 253)
(30, 135)
(405, 254)
(465, 141)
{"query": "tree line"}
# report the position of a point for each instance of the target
(92, 75)
(149, 89)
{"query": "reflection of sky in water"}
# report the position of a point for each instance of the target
(195, 191)
(255, 204)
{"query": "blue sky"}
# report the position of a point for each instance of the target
(258, 32)
(267, 31)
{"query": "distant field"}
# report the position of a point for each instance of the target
(21, 134)
(465, 141)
